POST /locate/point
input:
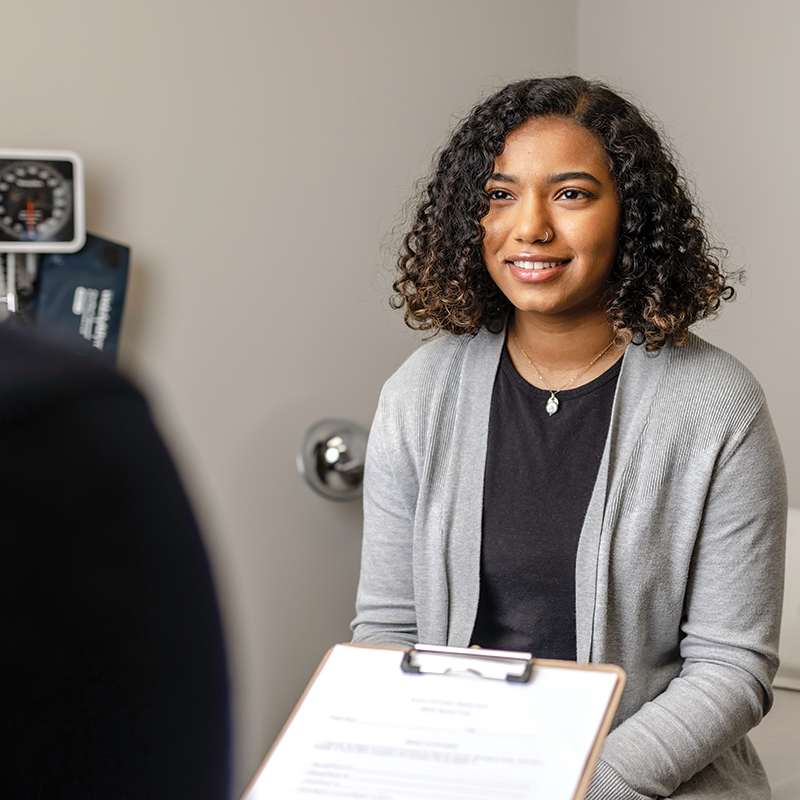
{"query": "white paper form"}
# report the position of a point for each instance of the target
(368, 731)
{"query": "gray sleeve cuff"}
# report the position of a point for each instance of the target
(607, 785)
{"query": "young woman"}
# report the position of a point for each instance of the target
(567, 470)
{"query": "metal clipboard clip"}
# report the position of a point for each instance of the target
(501, 665)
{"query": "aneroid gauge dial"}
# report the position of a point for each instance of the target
(41, 201)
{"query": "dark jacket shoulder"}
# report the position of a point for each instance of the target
(36, 374)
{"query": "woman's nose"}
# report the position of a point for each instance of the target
(532, 222)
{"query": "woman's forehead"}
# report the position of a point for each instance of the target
(551, 143)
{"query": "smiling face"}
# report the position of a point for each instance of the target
(552, 228)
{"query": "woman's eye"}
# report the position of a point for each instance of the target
(573, 194)
(498, 194)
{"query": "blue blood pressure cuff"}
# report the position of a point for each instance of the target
(80, 296)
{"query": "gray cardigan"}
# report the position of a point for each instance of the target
(680, 564)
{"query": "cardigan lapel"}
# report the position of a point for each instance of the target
(637, 387)
(463, 518)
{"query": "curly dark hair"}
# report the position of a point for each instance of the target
(666, 276)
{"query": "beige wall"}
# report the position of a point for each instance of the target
(722, 75)
(254, 154)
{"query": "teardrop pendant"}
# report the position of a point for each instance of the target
(552, 404)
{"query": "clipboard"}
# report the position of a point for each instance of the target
(431, 723)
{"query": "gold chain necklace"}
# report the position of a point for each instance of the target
(552, 401)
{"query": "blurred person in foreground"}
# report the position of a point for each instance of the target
(114, 678)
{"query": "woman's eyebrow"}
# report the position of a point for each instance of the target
(573, 176)
(560, 177)
(502, 177)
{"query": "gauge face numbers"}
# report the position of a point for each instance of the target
(36, 201)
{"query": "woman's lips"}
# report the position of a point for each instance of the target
(536, 264)
(536, 270)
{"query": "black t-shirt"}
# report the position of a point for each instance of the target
(540, 472)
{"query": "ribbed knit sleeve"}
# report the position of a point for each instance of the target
(608, 785)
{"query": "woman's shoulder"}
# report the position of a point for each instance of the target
(441, 363)
(421, 398)
(713, 368)
(698, 374)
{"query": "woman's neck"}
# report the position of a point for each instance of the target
(550, 353)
